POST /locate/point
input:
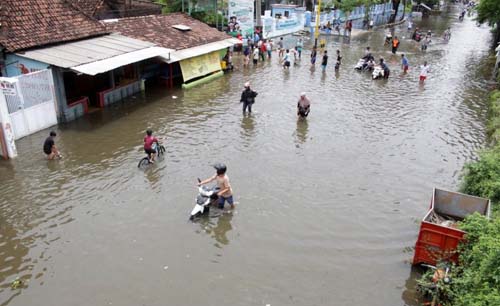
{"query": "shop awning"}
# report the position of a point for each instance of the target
(121, 60)
(98, 54)
(180, 55)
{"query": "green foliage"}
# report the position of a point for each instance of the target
(494, 116)
(477, 279)
(488, 11)
(171, 6)
(209, 17)
(482, 178)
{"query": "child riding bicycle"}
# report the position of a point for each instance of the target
(150, 145)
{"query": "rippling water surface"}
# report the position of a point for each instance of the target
(327, 208)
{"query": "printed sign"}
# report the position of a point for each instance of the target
(287, 23)
(200, 65)
(241, 12)
(8, 88)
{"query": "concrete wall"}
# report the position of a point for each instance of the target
(16, 65)
(114, 95)
(380, 14)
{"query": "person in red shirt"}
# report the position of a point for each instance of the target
(150, 143)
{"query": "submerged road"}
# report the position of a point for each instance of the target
(327, 209)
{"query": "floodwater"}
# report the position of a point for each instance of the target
(327, 209)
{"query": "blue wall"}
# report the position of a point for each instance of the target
(380, 14)
(14, 65)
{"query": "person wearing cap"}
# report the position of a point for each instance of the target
(303, 106)
(225, 191)
(248, 98)
(49, 147)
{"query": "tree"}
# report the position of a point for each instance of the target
(395, 8)
(488, 11)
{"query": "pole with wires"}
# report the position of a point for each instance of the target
(316, 31)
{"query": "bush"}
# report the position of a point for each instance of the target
(477, 280)
(209, 18)
(482, 178)
(494, 118)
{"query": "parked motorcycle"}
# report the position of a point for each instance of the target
(378, 72)
(364, 65)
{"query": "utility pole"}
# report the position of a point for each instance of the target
(258, 7)
(316, 32)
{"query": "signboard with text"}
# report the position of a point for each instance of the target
(242, 11)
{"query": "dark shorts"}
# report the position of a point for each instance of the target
(222, 200)
(47, 151)
(287, 64)
(150, 151)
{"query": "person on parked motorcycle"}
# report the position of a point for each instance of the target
(303, 106)
(225, 192)
(368, 55)
(384, 66)
(369, 65)
(150, 143)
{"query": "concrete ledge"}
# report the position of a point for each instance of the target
(202, 80)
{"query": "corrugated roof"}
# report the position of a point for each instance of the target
(121, 60)
(87, 51)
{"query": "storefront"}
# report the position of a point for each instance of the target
(94, 73)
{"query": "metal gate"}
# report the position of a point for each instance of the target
(31, 102)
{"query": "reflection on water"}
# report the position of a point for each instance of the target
(301, 131)
(409, 295)
(247, 125)
(94, 212)
(217, 225)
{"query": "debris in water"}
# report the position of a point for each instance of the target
(17, 283)
(174, 97)
(165, 268)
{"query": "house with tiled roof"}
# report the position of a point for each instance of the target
(198, 47)
(99, 62)
(91, 66)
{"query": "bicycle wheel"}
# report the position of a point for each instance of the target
(161, 150)
(143, 162)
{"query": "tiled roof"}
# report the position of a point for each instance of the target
(158, 29)
(89, 7)
(105, 9)
(30, 23)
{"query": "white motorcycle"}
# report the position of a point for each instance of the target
(378, 72)
(360, 64)
(206, 197)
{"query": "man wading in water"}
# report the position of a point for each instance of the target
(49, 147)
(248, 98)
